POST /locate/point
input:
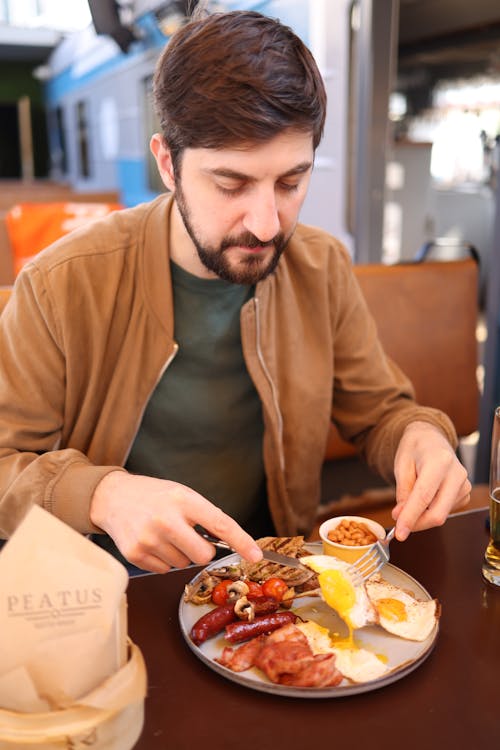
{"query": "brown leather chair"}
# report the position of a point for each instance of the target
(426, 314)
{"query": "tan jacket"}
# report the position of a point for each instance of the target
(89, 331)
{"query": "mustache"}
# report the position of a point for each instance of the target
(247, 239)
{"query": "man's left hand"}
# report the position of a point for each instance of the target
(430, 480)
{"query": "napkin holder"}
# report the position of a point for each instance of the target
(110, 717)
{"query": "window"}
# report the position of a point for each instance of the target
(464, 128)
(58, 153)
(82, 127)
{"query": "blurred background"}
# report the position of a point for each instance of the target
(411, 151)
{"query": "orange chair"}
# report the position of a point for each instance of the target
(33, 226)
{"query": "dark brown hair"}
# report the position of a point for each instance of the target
(236, 77)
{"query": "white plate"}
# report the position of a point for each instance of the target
(402, 656)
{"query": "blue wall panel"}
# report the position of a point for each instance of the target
(132, 179)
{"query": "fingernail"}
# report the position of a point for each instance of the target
(255, 555)
(402, 533)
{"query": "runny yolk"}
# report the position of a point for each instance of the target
(392, 609)
(338, 592)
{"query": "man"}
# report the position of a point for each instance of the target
(174, 365)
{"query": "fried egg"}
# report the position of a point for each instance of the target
(375, 601)
(400, 612)
(356, 664)
(339, 591)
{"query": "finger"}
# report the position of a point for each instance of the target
(419, 499)
(444, 502)
(222, 526)
(435, 516)
(406, 475)
(169, 554)
(463, 502)
(151, 548)
(145, 560)
(193, 546)
(429, 506)
(172, 539)
(396, 511)
(238, 539)
(190, 509)
(152, 564)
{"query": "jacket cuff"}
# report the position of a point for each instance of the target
(69, 496)
(380, 455)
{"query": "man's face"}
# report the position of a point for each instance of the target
(239, 206)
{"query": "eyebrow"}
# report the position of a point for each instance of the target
(235, 175)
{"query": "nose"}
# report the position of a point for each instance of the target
(262, 216)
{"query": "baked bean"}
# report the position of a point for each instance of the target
(352, 534)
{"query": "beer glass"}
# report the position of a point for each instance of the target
(491, 564)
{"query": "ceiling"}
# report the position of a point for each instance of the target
(26, 45)
(437, 38)
(449, 38)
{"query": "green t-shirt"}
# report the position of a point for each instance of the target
(203, 424)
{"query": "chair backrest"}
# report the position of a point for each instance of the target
(33, 226)
(426, 314)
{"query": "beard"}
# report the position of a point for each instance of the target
(250, 269)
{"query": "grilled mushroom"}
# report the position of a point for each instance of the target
(244, 609)
(200, 592)
(227, 571)
(236, 590)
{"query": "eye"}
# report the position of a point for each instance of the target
(233, 191)
(288, 187)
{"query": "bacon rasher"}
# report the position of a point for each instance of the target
(286, 658)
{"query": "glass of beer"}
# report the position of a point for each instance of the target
(491, 564)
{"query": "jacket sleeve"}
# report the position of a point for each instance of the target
(373, 401)
(34, 468)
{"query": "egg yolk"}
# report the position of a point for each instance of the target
(338, 592)
(392, 609)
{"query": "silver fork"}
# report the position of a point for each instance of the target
(371, 562)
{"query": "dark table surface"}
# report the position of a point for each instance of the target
(452, 700)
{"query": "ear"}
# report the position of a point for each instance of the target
(163, 159)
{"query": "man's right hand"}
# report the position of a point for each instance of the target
(151, 522)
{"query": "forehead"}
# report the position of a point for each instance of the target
(275, 157)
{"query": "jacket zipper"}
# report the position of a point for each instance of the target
(261, 359)
(139, 420)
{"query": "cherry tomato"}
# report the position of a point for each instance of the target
(274, 587)
(219, 593)
(254, 589)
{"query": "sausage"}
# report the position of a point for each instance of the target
(247, 607)
(211, 623)
(241, 631)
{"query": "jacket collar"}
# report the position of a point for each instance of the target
(156, 261)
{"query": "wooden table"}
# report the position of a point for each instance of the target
(452, 700)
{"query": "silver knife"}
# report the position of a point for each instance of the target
(275, 557)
